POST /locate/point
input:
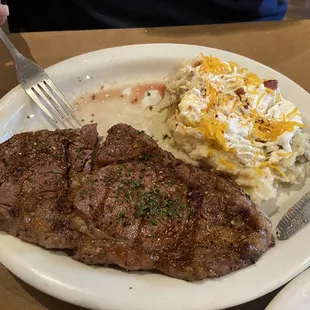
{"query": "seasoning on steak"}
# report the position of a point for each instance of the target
(139, 208)
(35, 173)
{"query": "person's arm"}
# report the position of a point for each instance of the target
(255, 9)
(4, 13)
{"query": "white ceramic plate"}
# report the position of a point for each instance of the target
(295, 296)
(110, 289)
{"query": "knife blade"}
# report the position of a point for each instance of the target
(296, 218)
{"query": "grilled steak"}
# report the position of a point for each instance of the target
(36, 170)
(139, 208)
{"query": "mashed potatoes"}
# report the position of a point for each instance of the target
(239, 124)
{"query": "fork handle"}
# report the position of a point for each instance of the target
(15, 53)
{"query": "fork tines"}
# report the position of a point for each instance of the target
(44, 94)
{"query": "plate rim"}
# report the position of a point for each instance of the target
(54, 67)
(293, 287)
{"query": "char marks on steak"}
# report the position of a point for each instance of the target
(138, 207)
(36, 171)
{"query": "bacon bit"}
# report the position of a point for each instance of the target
(272, 84)
(216, 116)
(246, 106)
(197, 63)
(93, 97)
(190, 108)
(135, 100)
(203, 91)
(240, 91)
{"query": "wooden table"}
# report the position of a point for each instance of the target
(284, 46)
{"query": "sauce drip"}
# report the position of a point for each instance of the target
(131, 94)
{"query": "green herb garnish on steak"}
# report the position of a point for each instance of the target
(155, 204)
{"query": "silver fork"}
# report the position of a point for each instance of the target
(38, 85)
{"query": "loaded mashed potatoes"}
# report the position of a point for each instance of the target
(239, 124)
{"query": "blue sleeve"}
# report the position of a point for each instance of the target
(256, 9)
(273, 8)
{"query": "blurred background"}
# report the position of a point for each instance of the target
(297, 9)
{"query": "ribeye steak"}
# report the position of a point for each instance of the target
(131, 204)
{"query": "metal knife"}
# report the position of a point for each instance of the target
(297, 217)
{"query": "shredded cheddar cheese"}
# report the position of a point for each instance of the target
(284, 154)
(233, 65)
(252, 79)
(235, 104)
(266, 164)
(253, 92)
(214, 65)
(211, 92)
(294, 111)
(260, 98)
(227, 164)
(270, 91)
(214, 130)
(270, 130)
(256, 155)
